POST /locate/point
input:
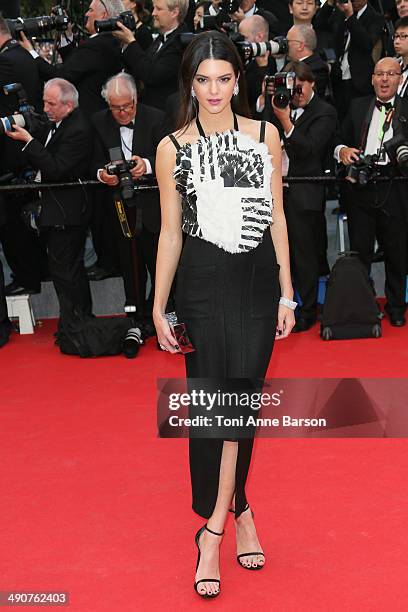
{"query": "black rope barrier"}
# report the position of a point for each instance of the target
(153, 184)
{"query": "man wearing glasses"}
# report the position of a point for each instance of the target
(135, 129)
(378, 208)
(401, 49)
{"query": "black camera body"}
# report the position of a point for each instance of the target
(285, 88)
(109, 25)
(38, 26)
(363, 171)
(121, 167)
(25, 116)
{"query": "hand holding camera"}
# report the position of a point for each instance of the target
(348, 155)
(139, 169)
(345, 7)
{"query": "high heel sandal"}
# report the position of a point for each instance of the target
(197, 538)
(249, 554)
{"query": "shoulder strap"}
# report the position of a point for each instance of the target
(174, 141)
(262, 131)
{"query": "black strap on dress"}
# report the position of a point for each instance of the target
(175, 141)
(262, 132)
(201, 131)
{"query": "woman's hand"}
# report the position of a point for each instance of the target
(286, 320)
(164, 336)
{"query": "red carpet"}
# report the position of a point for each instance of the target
(93, 503)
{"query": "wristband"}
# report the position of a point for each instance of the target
(288, 303)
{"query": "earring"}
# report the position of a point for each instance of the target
(193, 94)
(236, 89)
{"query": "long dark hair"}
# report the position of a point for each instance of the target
(209, 45)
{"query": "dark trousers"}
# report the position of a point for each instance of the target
(388, 221)
(137, 256)
(24, 251)
(305, 245)
(5, 326)
(103, 238)
(65, 248)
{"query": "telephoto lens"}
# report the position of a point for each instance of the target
(132, 342)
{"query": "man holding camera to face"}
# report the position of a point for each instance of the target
(373, 142)
(127, 134)
(307, 125)
(357, 30)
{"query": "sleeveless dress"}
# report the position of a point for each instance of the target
(227, 288)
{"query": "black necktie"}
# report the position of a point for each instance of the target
(129, 125)
(380, 105)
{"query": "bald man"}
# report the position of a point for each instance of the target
(302, 44)
(379, 208)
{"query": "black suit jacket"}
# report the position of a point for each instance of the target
(147, 133)
(365, 34)
(65, 158)
(280, 10)
(353, 130)
(157, 69)
(307, 149)
(87, 66)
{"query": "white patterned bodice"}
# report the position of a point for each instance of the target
(224, 180)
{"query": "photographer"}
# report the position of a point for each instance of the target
(64, 213)
(378, 207)
(144, 35)
(302, 44)
(136, 130)
(307, 125)
(157, 67)
(400, 39)
(89, 64)
(248, 8)
(357, 30)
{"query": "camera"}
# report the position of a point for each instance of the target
(121, 168)
(247, 50)
(25, 115)
(285, 87)
(363, 171)
(397, 149)
(38, 26)
(109, 25)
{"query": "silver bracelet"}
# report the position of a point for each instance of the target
(288, 303)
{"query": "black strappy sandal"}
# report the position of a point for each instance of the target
(249, 554)
(197, 537)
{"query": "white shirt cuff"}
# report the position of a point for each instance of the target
(98, 175)
(34, 53)
(148, 166)
(27, 143)
(336, 153)
(259, 107)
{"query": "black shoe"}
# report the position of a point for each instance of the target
(132, 342)
(303, 324)
(15, 289)
(397, 320)
(197, 538)
(249, 554)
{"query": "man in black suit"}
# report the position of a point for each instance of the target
(379, 208)
(302, 44)
(157, 67)
(136, 129)
(307, 128)
(92, 62)
(64, 214)
(357, 32)
(401, 49)
(248, 8)
(22, 249)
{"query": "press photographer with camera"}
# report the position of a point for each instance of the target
(158, 66)
(140, 15)
(302, 44)
(127, 134)
(373, 141)
(357, 30)
(307, 126)
(240, 10)
(61, 153)
(88, 64)
(400, 40)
